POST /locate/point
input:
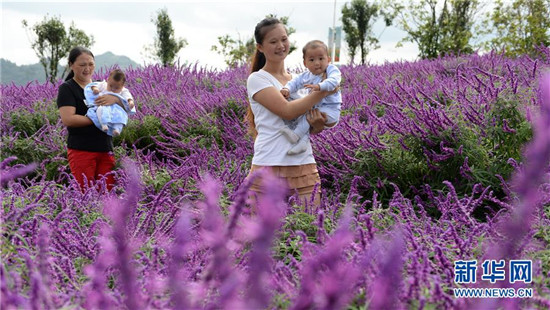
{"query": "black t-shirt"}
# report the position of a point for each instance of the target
(88, 138)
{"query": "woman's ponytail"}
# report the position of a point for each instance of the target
(70, 75)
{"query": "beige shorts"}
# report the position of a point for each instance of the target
(302, 178)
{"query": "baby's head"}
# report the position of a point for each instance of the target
(116, 81)
(316, 57)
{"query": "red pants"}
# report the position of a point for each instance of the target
(92, 165)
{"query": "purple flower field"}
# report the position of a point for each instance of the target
(432, 162)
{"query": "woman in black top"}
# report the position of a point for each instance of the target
(89, 150)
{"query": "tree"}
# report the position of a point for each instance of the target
(235, 51)
(438, 29)
(352, 35)
(517, 28)
(239, 52)
(357, 23)
(166, 46)
(51, 42)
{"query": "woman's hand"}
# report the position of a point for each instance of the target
(316, 120)
(328, 93)
(108, 100)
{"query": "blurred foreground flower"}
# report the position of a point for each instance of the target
(11, 173)
(527, 182)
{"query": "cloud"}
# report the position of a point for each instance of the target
(16, 45)
(389, 53)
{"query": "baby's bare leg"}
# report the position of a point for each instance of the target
(99, 113)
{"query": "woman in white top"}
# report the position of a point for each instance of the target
(269, 111)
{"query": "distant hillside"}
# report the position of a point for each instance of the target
(21, 75)
(109, 59)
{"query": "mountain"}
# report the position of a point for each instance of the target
(109, 59)
(21, 75)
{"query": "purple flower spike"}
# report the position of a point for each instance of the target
(220, 273)
(121, 213)
(388, 284)
(182, 232)
(17, 171)
(328, 278)
(527, 182)
(270, 209)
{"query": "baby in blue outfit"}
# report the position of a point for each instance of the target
(110, 118)
(321, 75)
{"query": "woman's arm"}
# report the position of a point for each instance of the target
(108, 100)
(69, 117)
(273, 100)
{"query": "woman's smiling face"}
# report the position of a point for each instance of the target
(275, 44)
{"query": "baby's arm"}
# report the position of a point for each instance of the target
(102, 86)
(125, 93)
(295, 84)
(334, 77)
(95, 90)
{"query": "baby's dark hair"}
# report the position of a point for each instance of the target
(312, 45)
(118, 75)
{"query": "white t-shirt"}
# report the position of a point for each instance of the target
(271, 146)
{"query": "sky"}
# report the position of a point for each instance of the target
(125, 27)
